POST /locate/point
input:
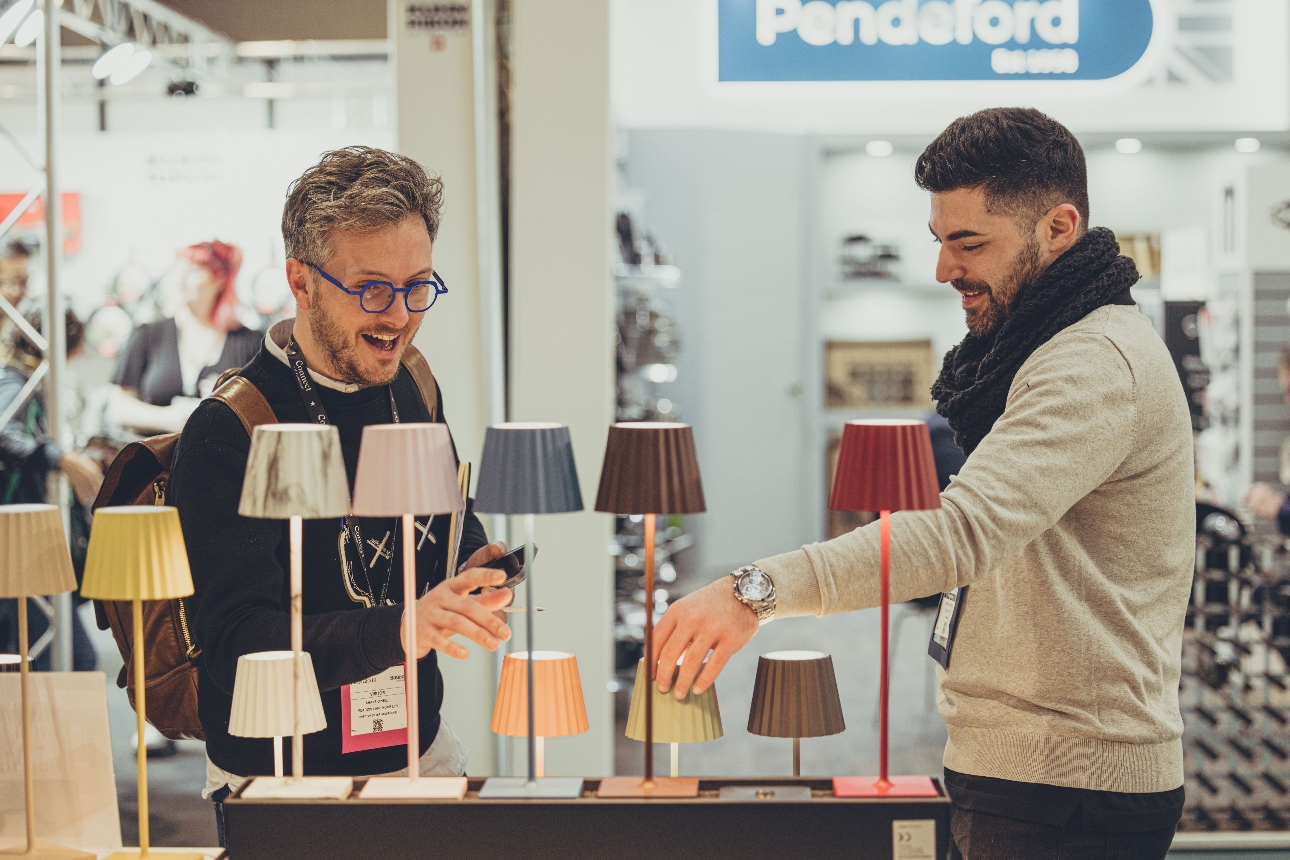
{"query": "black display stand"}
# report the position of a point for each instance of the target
(822, 827)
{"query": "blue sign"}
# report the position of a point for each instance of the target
(930, 40)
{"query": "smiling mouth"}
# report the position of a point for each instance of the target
(382, 342)
(971, 299)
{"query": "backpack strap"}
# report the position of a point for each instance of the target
(415, 364)
(247, 403)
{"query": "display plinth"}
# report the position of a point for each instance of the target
(518, 788)
(46, 851)
(872, 786)
(135, 855)
(819, 826)
(659, 786)
(434, 787)
(300, 788)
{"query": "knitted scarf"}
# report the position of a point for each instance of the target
(972, 389)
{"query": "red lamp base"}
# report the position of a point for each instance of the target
(896, 786)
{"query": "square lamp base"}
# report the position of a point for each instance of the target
(896, 786)
(425, 787)
(304, 788)
(636, 786)
(46, 851)
(548, 787)
(135, 855)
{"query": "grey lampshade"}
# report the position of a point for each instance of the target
(527, 468)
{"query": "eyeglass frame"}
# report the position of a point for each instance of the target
(435, 280)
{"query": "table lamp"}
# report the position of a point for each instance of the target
(33, 560)
(296, 472)
(557, 699)
(885, 466)
(650, 468)
(528, 468)
(137, 553)
(691, 720)
(795, 696)
(264, 700)
(409, 470)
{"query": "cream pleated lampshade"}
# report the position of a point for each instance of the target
(136, 551)
(693, 719)
(295, 470)
(262, 701)
(558, 707)
(406, 469)
(33, 552)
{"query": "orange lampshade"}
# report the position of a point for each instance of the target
(885, 466)
(558, 708)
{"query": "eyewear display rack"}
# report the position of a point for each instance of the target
(751, 827)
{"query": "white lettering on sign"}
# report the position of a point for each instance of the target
(907, 22)
(913, 840)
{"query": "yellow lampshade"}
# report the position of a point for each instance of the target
(558, 708)
(33, 552)
(138, 552)
(691, 720)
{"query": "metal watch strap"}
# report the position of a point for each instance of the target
(764, 608)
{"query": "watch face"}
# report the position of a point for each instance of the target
(755, 585)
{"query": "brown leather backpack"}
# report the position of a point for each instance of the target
(140, 475)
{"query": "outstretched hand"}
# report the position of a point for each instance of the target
(710, 619)
(449, 609)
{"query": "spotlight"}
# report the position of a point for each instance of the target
(30, 29)
(111, 60)
(879, 148)
(1247, 144)
(182, 88)
(1128, 145)
(12, 17)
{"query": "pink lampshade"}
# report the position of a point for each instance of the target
(885, 466)
(406, 469)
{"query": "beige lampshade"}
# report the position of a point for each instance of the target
(558, 708)
(262, 701)
(136, 551)
(406, 469)
(33, 552)
(795, 696)
(295, 470)
(691, 720)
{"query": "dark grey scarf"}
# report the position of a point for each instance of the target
(972, 390)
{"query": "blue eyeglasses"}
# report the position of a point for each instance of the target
(376, 297)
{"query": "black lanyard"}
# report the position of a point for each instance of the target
(313, 403)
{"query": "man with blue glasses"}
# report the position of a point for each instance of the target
(359, 230)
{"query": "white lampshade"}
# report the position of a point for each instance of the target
(262, 706)
(295, 470)
(406, 469)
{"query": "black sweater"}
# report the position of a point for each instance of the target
(240, 575)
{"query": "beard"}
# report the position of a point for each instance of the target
(340, 346)
(999, 298)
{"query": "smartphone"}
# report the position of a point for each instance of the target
(512, 564)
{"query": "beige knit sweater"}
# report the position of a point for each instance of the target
(1074, 524)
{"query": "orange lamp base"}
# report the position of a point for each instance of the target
(636, 786)
(872, 786)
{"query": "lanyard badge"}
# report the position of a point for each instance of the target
(947, 626)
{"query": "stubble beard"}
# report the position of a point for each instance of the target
(341, 349)
(999, 299)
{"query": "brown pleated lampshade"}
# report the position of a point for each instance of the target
(885, 466)
(650, 468)
(795, 696)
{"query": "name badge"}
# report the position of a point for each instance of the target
(947, 626)
(374, 712)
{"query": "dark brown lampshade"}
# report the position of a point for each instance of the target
(885, 466)
(795, 696)
(650, 468)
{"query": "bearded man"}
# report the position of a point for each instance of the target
(1071, 524)
(359, 229)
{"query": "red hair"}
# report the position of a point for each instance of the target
(223, 261)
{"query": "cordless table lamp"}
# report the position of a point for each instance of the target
(650, 468)
(33, 560)
(137, 553)
(885, 466)
(295, 472)
(559, 710)
(692, 720)
(409, 470)
(528, 468)
(795, 696)
(264, 700)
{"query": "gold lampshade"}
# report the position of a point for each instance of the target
(33, 552)
(691, 720)
(137, 552)
(558, 708)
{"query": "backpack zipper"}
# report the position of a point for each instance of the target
(159, 488)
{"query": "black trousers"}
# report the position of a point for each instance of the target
(997, 819)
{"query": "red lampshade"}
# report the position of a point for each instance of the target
(885, 466)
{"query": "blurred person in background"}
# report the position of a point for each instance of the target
(167, 366)
(1263, 500)
(14, 263)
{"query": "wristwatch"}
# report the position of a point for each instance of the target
(755, 589)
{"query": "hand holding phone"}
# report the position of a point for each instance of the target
(512, 564)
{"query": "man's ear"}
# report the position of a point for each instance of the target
(298, 279)
(1060, 228)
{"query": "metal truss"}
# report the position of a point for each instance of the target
(145, 22)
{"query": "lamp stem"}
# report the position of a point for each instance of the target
(676, 760)
(29, 782)
(797, 756)
(884, 675)
(140, 708)
(297, 646)
(541, 756)
(277, 757)
(410, 655)
(528, 636)
(649, 649)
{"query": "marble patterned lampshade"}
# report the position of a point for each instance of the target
(295, 470)
(33, 552)
(262, 701)
(406, 469)
(136, 552)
